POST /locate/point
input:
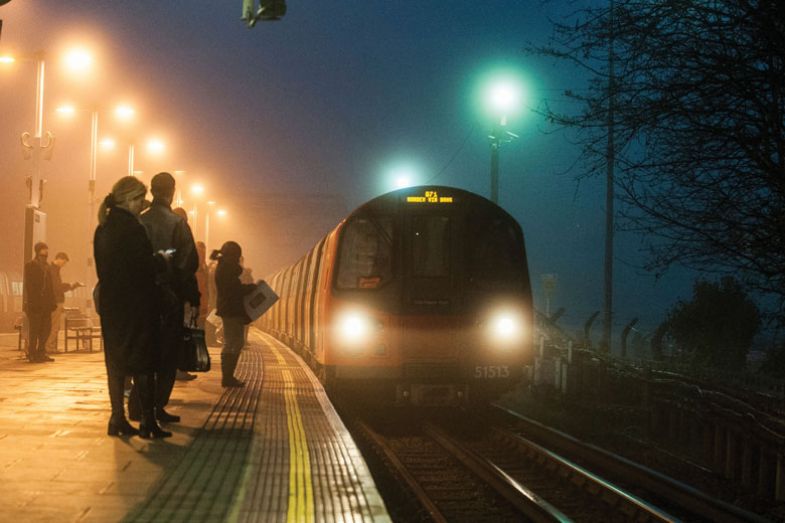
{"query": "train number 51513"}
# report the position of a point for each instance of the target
(491, 371)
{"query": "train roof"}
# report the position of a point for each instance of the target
(428, 197)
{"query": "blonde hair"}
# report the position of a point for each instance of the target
(124, 190)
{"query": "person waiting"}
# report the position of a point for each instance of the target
(38, 303)
(168, 231)
(128, 302)
(230, 292)
(59, 288)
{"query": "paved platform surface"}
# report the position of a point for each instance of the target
(56, 461)
(58, 464)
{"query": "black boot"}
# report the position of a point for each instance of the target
(165, 417)
(118, 425)
(149, 429)
(228, 364)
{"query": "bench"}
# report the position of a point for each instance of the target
(81, 330)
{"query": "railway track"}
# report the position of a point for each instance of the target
(488, 470)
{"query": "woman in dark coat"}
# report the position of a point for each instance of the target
(128, 301)
(230, 308)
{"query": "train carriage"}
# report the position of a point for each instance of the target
(421, 295)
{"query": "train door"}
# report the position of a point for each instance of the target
(429, 329)
(428, 263)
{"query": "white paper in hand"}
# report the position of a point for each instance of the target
(257, 302)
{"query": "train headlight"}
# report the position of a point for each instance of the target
(505, 327)
(354, 328)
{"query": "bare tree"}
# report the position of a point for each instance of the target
(698, 101)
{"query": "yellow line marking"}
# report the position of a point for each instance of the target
(278, 356)
(300, 483)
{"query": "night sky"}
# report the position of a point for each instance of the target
(292, 124)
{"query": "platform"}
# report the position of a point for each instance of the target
(274, 450)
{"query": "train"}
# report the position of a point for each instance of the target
(420, 296)
(10, 300)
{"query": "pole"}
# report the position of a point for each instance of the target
(131, 160)
(32, 147)
(90, 280)
(607, 343)
(39, 97)
(196, 220)
(495, 144)
(207, 229)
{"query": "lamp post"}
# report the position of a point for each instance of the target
(155, 146)
(502, 95)
(178, 176)
(220, 213)
(124, 113)
(208, 212)
(35, 147)
(197, 190)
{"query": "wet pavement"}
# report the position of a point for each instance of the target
(56, 461)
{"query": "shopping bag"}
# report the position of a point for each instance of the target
(257, 302)
(195, 357)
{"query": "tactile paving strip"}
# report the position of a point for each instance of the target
(203, 486)
(274, 450)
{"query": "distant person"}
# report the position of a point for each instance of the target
(168, 231)
(202, 281)
(59, 289)
(213, 332)
(129, 304)
(230, 292)
(38, 304)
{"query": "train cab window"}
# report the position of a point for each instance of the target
(365, 258)
(430, 237)
(494, 251)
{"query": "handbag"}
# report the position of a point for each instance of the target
(195, 357)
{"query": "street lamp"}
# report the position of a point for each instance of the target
(502, 97)
(155, 146)
(210, 206)
(78, 60)
(403, 176)
(39, 146)
(197, 190)
(220, 213)
(178, 175)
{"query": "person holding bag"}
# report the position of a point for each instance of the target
(230, 307)
(128, 302)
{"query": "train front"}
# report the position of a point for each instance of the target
(431, 298)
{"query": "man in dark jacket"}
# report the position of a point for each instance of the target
(59, 289)
(167, 230)
(39, 302)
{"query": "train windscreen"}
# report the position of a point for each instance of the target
(365, 259)
(430, 246)
(494, 253)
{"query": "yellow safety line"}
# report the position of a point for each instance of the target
(300, 484)
(279, 359)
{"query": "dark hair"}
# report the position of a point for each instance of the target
(230, 252)
(38, 247)
(162, 185)
(62, 256)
